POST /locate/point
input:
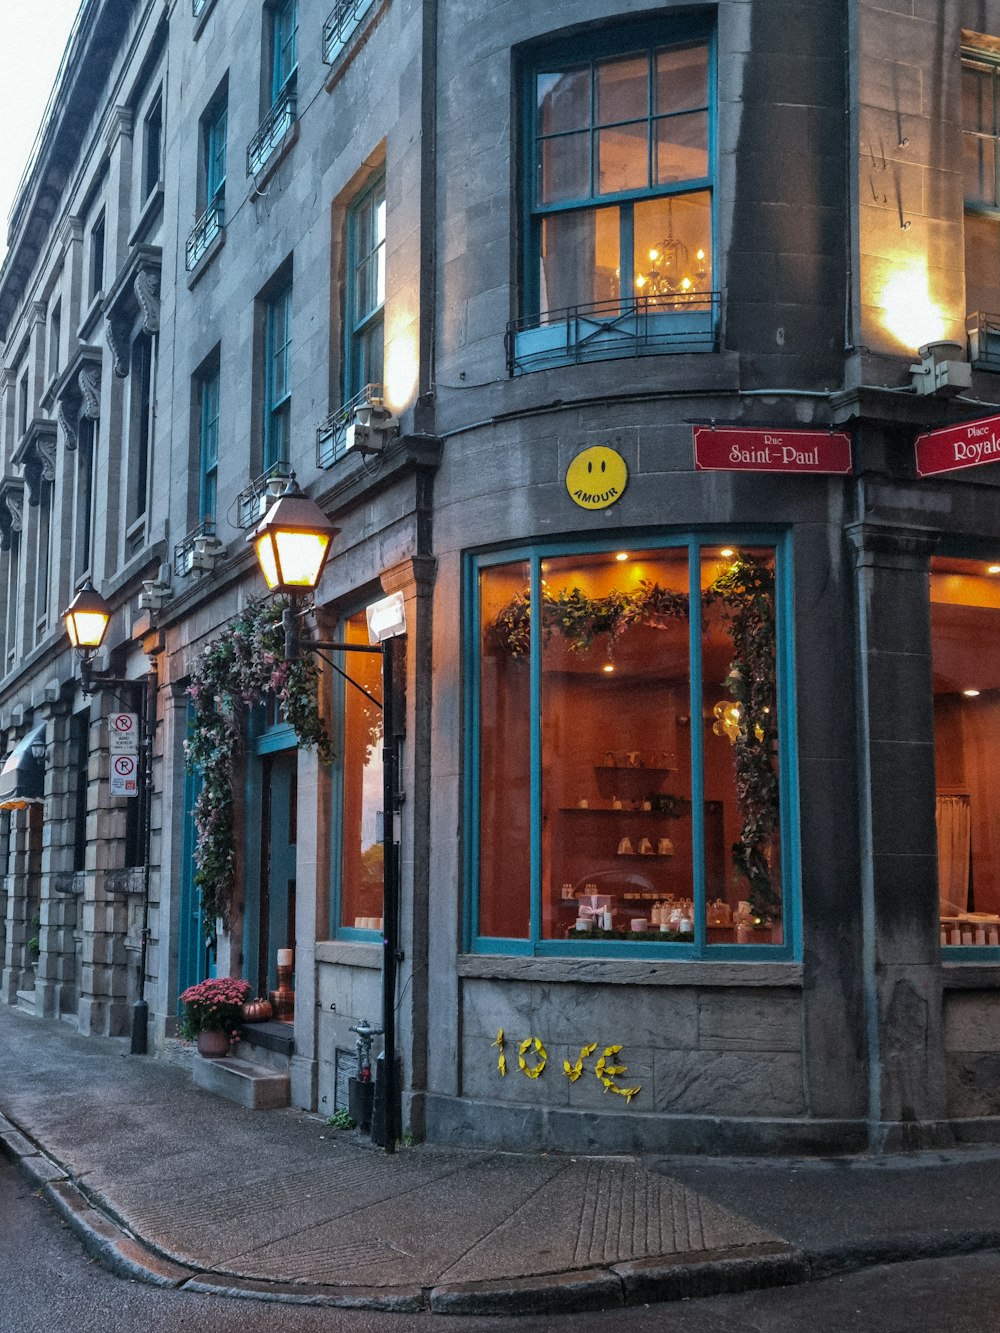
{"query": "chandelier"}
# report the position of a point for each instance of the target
(670, 271)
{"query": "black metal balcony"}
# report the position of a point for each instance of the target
(204, 231)
(331, 434)
(984, 340)
(253, 501)
(278, 121)
(337, 30)
(607, 330)
(198, 551)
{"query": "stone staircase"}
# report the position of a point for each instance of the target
(255, 1073)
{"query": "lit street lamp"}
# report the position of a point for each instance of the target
(292, 543)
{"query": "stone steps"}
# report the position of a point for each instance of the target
(26, 1001)
(240, 1081)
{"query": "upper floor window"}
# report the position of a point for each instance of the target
(208, 445)
(366, 290)
(668, 829)
(215, 130)
(152, 147)
(980, 160)
(277, 377)
(84, 502)
(55, 338)
(619, 193)
(12, 645)
(22, 404)
(97, 246)
(42, 561)
(284, 42)
(141, 408)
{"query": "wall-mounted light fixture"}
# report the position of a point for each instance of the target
(942, 370)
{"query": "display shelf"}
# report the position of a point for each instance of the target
(644, 856)
(620, 768)
(605, 810)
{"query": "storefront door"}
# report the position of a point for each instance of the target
(277, 863)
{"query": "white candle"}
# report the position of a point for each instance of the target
(285, 957)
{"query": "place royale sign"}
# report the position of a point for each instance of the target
(955, 447)
(724, 449)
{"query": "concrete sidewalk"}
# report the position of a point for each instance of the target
(169, 1184)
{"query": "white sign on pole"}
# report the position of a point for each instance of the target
(123, 733)
(125, 775)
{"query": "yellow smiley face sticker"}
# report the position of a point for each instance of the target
(596, 477)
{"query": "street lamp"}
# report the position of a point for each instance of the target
(292, 543)
(86, 620)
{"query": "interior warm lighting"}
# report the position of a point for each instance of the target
(971, 694)
(400, 371)
(993, 569)
(727, 552)
(608, 667)
(86, 618)
(622, 555)
(292, 542)
(909, 312)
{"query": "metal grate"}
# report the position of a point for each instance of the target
(197, 550)
(603, 330)
(253, 501)
(278, 121)
(337, 30)
(204, 232)
(331, 434)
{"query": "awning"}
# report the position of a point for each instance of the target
(22, 778)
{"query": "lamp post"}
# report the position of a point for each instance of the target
(292, 543)
(86, 619)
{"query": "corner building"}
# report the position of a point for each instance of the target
(650, 354)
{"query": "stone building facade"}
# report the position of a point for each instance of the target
(696, 841)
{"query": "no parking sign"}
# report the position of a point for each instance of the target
(124, 775)
(123, 733)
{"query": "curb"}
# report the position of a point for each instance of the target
(636, 1282)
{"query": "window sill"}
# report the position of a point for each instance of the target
(584, 338)
(349, 954)
(339, 52)
(631, 972)
(90, 318)
(978, 973)
(206, 258)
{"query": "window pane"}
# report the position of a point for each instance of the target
(563, 100)
(361, 864)
(564, 168)
(622, 158)
(740, 745)
(965, 659)
(504, 758)
(673, 240)
(580, 258)
(616, 763)
(622, 89)
(681, 148)
(977, 100)
(681, 78)
(979, 169)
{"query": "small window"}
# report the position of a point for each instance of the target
(13, 598)
(55, 339)
(981, 171)
(152, 148)
(97, 257)
(22, 404)
(284, 43)
(208, 445)
(277, 377)
(80, 740)
(366, 290)
(83, 521)
(141, 391)
(360, 787)
(625, 730)
(43, 547)
(215, 127)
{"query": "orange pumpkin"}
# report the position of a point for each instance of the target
(257, 1011)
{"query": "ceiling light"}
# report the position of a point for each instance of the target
(727, 551)
(622, 555)
(608, 667)
(971, 694)
(993, 569)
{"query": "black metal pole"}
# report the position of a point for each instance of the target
(140, 1010)
(390, 899)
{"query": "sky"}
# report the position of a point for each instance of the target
(32, 40)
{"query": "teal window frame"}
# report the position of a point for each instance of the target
(284, 48)
(277, 377)
(365, 319)
(208, 445)
(215, 131)
(624, 39)
(699, 949)
(984, 62)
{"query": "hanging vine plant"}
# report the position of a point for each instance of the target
(745, 593)
(242, 667)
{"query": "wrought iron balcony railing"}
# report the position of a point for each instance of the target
(204, 231)
(253, 501)
(331, 434)
(339, 27)
(984, 340)
(198, 551)
(605, 330)
(278, 121)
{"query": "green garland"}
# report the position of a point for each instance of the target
(239, 669)
(745, 593)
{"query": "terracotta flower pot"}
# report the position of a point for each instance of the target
(213, 1043)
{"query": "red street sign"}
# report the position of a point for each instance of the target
(771, 450)
(968, 445)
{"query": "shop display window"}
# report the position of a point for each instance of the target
(360, 787)
(625, 747)
(965, 659)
